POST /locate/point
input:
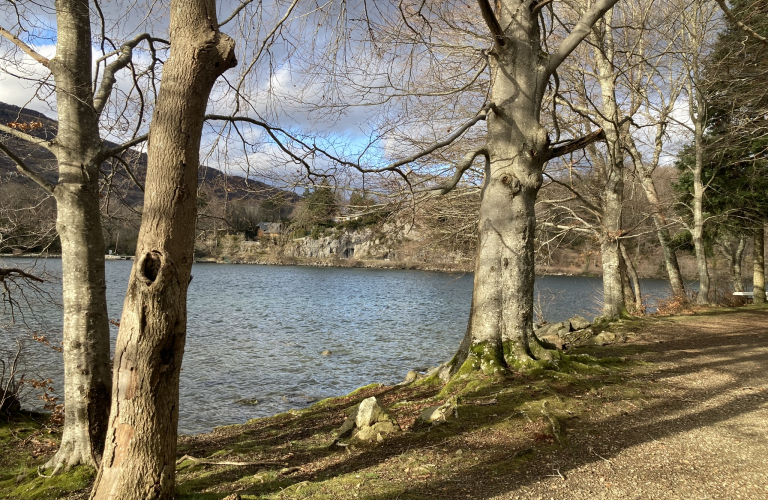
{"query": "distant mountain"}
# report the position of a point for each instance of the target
(219, 184)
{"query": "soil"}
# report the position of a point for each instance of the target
(678, 411)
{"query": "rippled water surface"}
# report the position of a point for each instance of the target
(257, 332)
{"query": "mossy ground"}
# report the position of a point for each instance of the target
(509, 424)
(26, 442)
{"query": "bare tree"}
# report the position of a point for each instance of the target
(141, 438)
(81, 101)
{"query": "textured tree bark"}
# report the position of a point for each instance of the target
(78, 147)
(501, 318)
(659, 223)
(500, 329)
(697, 231)
(613, 175)
(140, 454)
(736, 257)
(758, 271)
(634, 278)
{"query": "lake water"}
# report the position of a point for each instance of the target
(257, 332)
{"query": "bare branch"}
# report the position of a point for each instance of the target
(235, 12)
(108, 80)
(462, 167)
(743, 27)
(24, 47)
(27, 137)
(130, 173)
(579, 32)
(576, 144)
(126, 145)
(24, 169)
(491, 21)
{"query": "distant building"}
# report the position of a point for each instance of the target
(269, 229)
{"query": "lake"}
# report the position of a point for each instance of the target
(257, 332)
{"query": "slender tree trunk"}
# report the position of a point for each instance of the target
(612, 175)
(659, 223)
(140, 456)
(697, 232)
(632, 271)
(736, 256)
(87, 377)
(758, 274)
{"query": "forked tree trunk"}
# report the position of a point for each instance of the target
(634, 278)
(500, 328)
(736, 257)
(140, 456)
(758, 274)
(87, 376)
(659, 223)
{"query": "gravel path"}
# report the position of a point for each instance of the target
(701, 431)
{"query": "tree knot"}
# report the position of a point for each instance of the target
(149, 266)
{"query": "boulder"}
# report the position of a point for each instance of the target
(579, 323)
(603, 338)
(368, 413)
(367, 421)
(410, 377)
(440, 413)
(555, 340)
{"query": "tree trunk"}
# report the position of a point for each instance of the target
(736, 256)
(758, 275)
(612, 175)
(659, 223)
(140, 456)
(500, 325)
(87, 377)
(697, 234)
(501, 317)
(632, 271)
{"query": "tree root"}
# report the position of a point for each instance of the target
(199, 461)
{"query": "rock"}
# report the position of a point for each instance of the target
(439, 413)
(368, 413)
(346, 428)
(410, 377)
(603, 338)
(555, 340)
(233, 496)
(326, 353)
(253, 401)
(379, 429)
(579, 322)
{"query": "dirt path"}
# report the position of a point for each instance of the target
(702, 435)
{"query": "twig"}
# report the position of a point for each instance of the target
(199, 461)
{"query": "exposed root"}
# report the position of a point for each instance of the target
(199, 461)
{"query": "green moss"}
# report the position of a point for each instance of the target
(42, 488)
(364, 388)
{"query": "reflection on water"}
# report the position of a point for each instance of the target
(256, 334)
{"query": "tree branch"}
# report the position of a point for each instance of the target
(109, 153)
(10, 271)
(491, 21)
(130, 173)
(743, 27)
(235, 12)
(576, 144)
(24, 47)
(109, 79)
(462, 167)
(24, 169)
(579, 32)
(27, 137)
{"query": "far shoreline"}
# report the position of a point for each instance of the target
(464, 268)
